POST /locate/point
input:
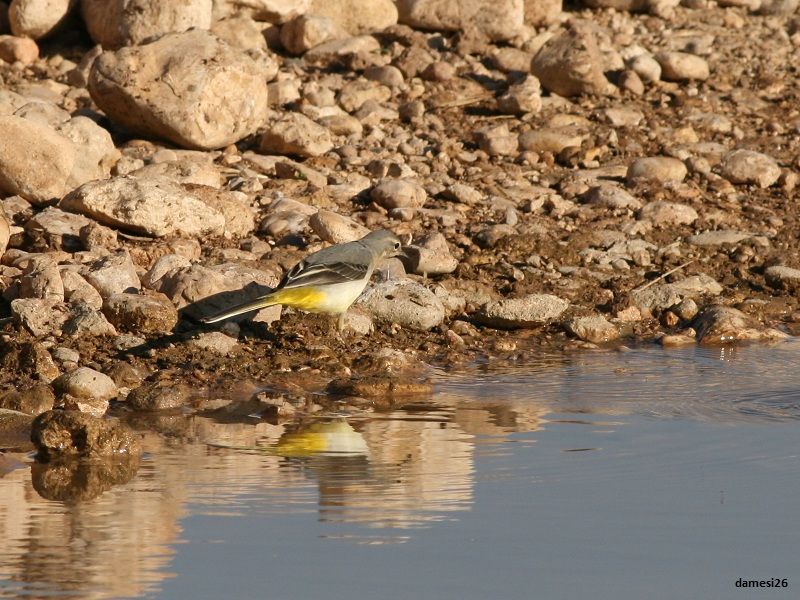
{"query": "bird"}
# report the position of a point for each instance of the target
(326, 281)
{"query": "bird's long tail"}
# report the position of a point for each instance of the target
(262, 302)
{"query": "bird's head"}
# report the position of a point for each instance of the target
(383, 243)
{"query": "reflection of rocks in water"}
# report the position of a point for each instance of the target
(15, 431)
(169, 425)
(74, 480)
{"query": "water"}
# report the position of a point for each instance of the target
(649, 473)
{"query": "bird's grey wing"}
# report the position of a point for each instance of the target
(303, 274)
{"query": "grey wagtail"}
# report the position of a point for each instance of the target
(326, 281)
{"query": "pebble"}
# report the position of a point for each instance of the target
(497, 140)
(160, 395)
(748, 167)
(657, 168)
(113, 274)
(398, 193)
(515, 313)
(719, 237)
(18, 49)
(682, 66)
(663, 213)
(498, 20)
(646, 67)
(430, 255)
(84, 382)
(611, 196)
(296, 134)
(548, 139)
(335, 228)
(523, 97)
(307, 31)
(215, 342)
(595, 329)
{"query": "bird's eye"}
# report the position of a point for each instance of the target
(397, 245)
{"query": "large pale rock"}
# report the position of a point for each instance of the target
(429, 255)
(155, 207)
(35, 161)
(725, 325)
(234, 206)
(499, 20)
(571, 64)
(296, 134)
(116, 23)
(37, 18)
(336, 228)
(190, 88)
(113, 274)
(357, 16)
(404, 302)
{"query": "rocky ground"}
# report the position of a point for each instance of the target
(566, 177)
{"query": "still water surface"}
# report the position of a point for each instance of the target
(611, 475)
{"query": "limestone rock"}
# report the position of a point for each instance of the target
(522, 97)
(113, 274)
(84, 382)
(595, 329)
(570, 63)
(117, 23)
(657, 168)
(335, 228)
(356, 16)
(540, 13)
(308, 31)
(398, 193)
(748, 167)
(296, 134)
(528, 311)
(430, 255)
(32, 401)
(190, 88)
(779, 276)
(682, 66)
(498, 20)
(214, 341)
(159, 395)
(668, 213)
(404, 302)
(40, 317)
(155, 207)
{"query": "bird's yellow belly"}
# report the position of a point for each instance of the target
(334, 299)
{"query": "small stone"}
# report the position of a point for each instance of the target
(398, 193)
(22, 49)
(463, 193)
(407, 303)
(595, 329)
(308, 31)
(57, 433)
(646, 67)
(497, 140)
(682, 66)
(160, 395)
(79, 291)
(748, 167)
(355, 94)
(718, 238)
(39, 317)
(387, 75)
(657, 168)
(85, 321)
(335, 228)
(498, 20)
(358, 322)
(296, 134)
(515, 313)
(153, 313)
(215, 342)
(438, 71)
(550, 139)
(668, 213)
(611, 196)
(430, 255)
(84, 382)
(676, 341)
(523, 97)
(631, 82)
(113, 274)
(570, 63)
(687, 309)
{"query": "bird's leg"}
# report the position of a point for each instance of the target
(340, 323)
